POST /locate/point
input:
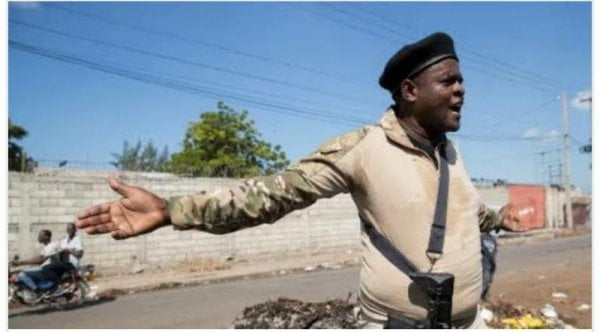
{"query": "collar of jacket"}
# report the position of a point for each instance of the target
(395, 133)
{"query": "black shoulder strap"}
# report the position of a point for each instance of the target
(438, 229)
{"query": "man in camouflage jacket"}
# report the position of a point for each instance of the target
(391, 171)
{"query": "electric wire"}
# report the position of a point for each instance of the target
(196, 41)
(535, 76)
(182, 86)
(500, 71)
(187, 61)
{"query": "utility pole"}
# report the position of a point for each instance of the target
(566, 163)
(588, 147)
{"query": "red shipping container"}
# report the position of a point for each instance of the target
(530, 202)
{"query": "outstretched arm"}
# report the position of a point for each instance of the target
(507, 218)
(37, 260)
(265, 199)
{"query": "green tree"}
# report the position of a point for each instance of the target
(17, 157)
(133, 158)
(225, 143)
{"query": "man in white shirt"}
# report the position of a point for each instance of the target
(49, 250)
(72, 243)
(48, 254)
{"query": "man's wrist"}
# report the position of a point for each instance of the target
(166, 213)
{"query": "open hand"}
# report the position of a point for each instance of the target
(510, 219)
(138, 212)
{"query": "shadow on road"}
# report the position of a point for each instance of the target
(65, 307)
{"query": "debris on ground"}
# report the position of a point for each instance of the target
(584, 307)
(93, 292)
(487, 315)
(111, 293)
(507, 315)
(525, 322)
(287, 313)
(548, 311)
(559, 295)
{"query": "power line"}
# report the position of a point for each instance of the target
(518, 119)
(212, 85)
(503, 138)
(500, 69)
(381, 26)
(501, 73)
(578, 141)
(187, 61)
(182, 86)
(534, 76)
(188, 78)
(338, 21)
(195, 41)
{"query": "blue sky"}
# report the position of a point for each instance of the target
(317, 62)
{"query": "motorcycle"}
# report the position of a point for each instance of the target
(71, 288)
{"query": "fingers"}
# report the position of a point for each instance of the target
(93, 211)
(95, 220)
(101, 229)
(121, 188)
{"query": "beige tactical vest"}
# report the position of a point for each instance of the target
(394, 185)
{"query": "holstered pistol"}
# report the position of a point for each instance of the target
(439, 288)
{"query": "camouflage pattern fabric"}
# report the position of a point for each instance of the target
(488, 219)
(264, 199)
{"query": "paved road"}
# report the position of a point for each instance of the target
(215, 306)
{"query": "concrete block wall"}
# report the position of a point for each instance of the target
(556, 201)
(494, 197)
(52, 198)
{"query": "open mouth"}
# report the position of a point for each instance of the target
(456, 108)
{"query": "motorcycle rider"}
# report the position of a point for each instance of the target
(47, 276)
(49, 250)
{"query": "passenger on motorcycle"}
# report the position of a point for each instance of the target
(72, 243)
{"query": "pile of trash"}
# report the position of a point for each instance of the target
(502, 315)
(287, 313)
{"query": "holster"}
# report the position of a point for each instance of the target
(439, 288)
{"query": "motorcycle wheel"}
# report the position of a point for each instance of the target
(82, 291)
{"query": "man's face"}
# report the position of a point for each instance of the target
(71, 229)
(440, 96)
(43, 237)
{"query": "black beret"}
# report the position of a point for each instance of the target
(414, 58)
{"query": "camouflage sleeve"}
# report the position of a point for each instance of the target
(488, 219)
(266, 199)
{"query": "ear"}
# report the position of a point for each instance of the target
(409, 90)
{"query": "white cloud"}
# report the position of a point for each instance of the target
(552, 136)
(581, 105)
(531, 133)
(26, 5)
(535, 132)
